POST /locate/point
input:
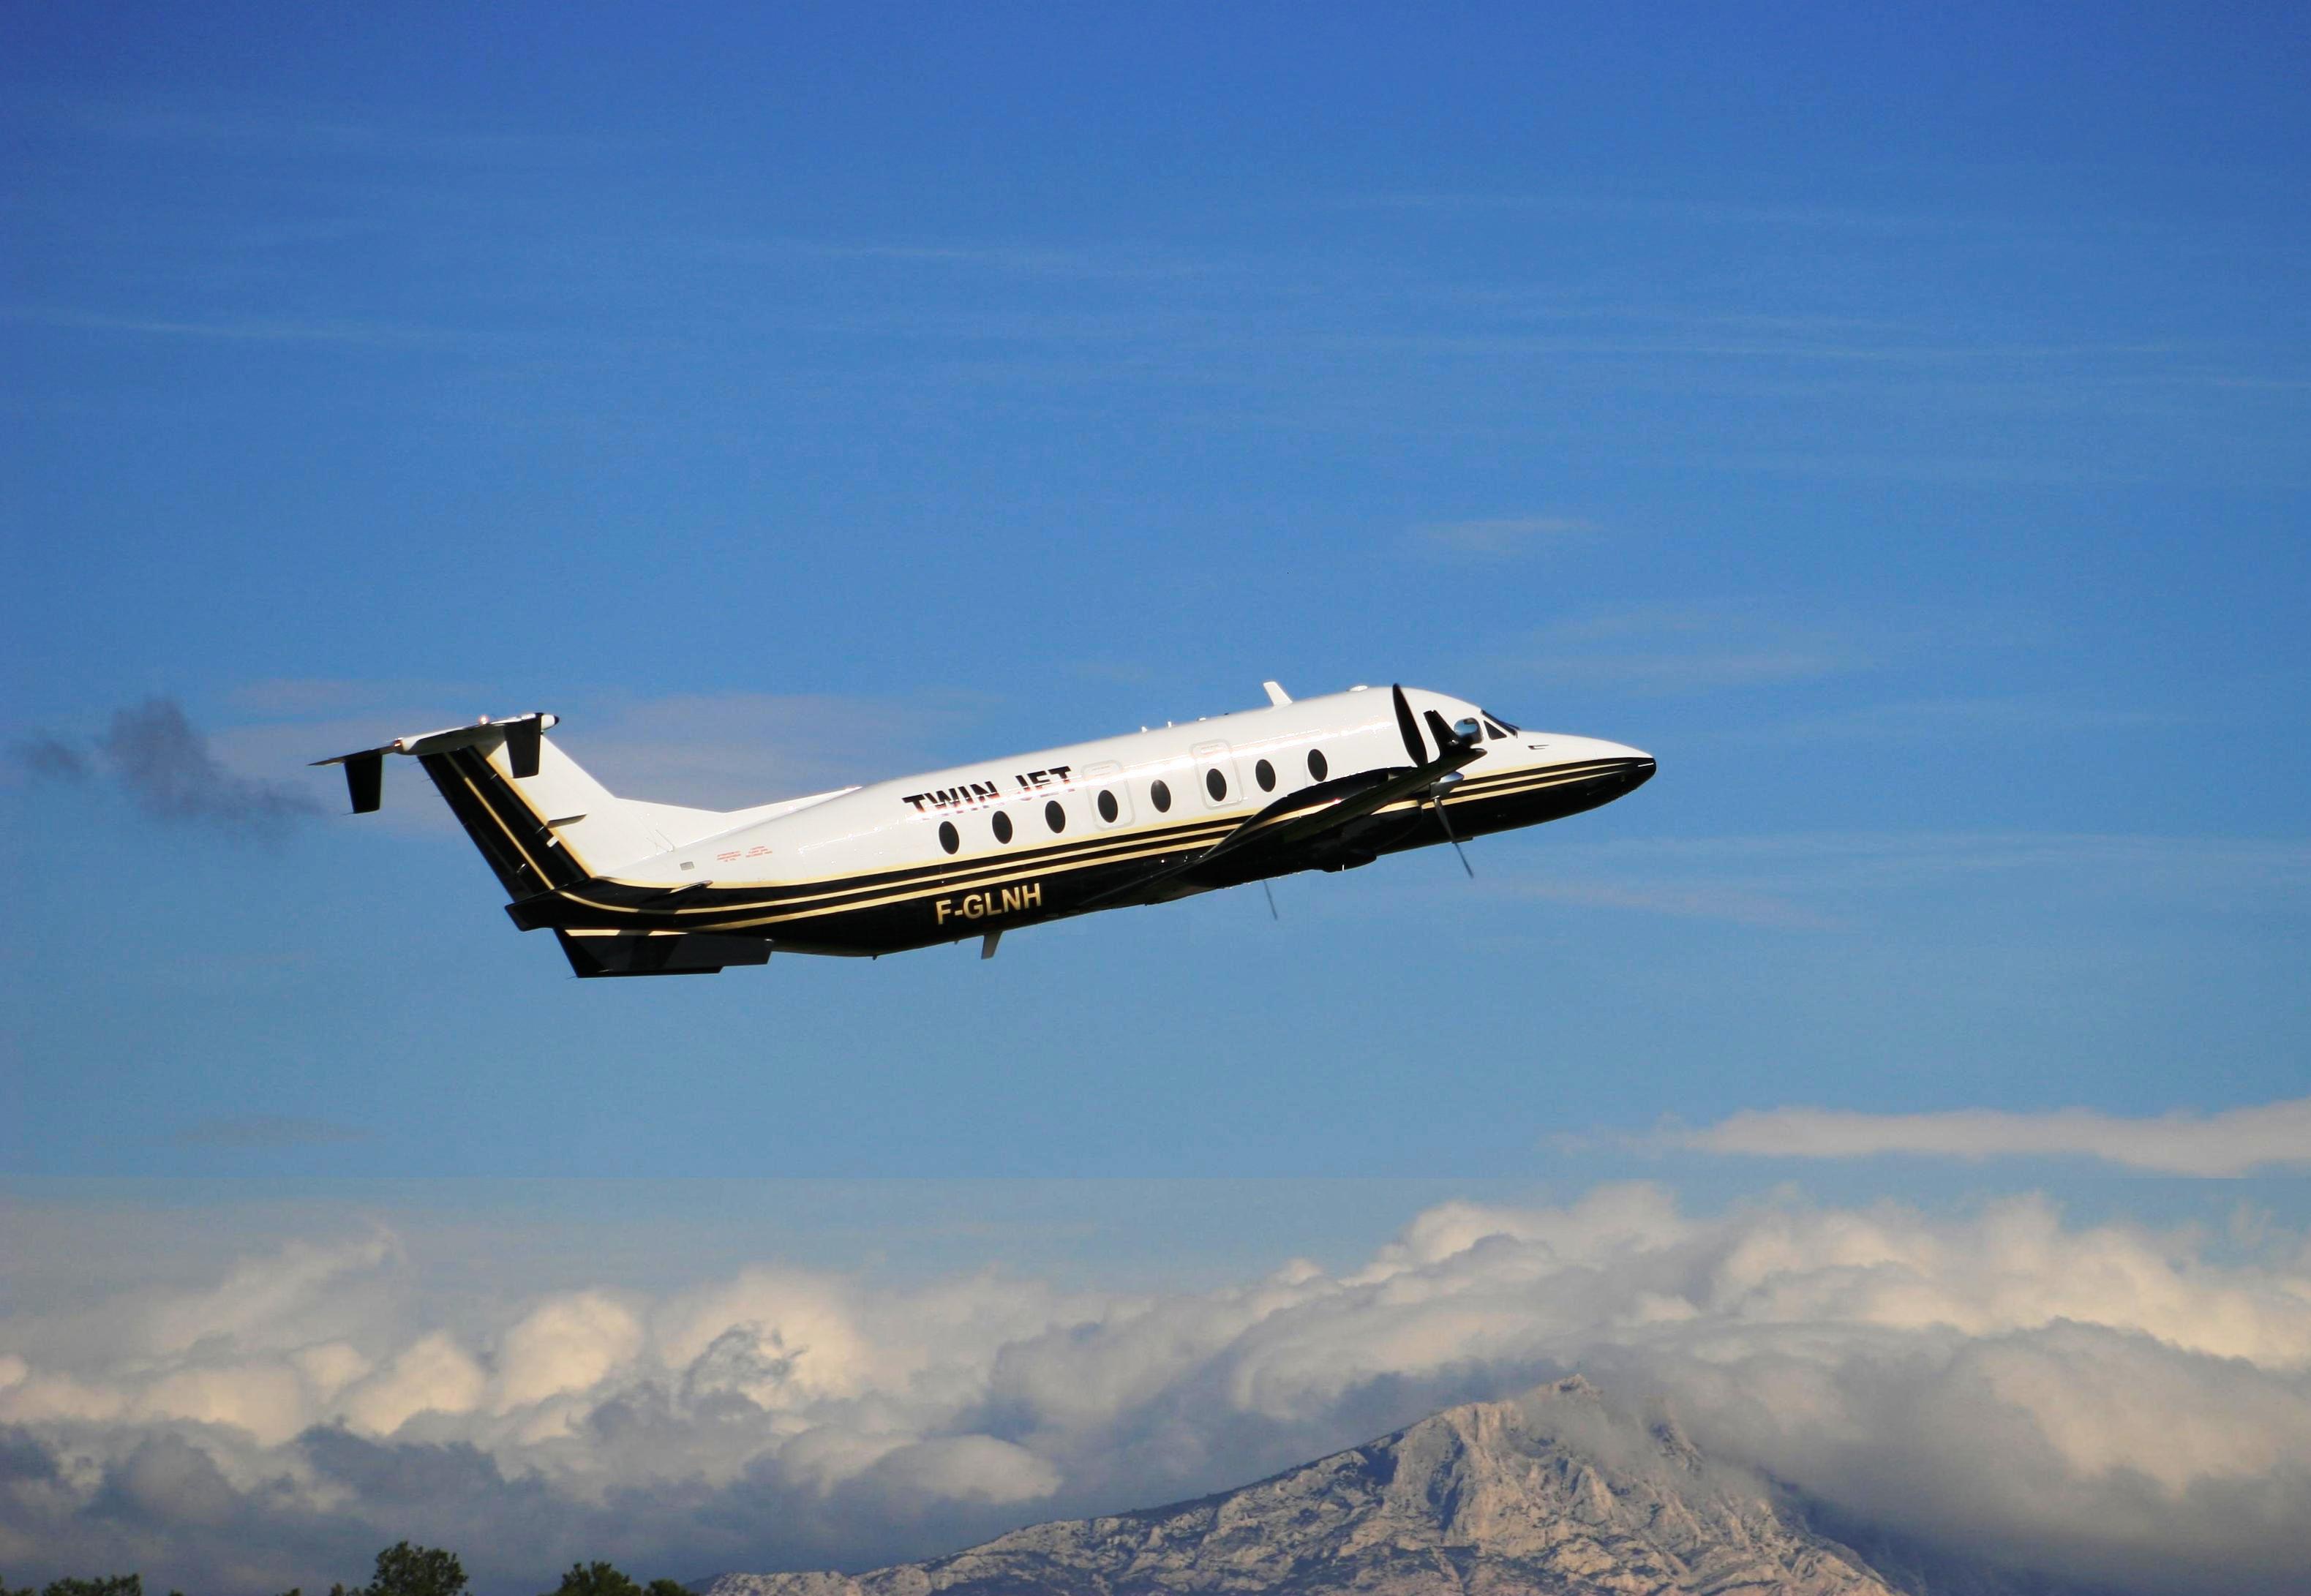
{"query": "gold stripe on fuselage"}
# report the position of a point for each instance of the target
(837, 884)
(1113, 847)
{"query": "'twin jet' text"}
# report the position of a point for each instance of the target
(971, 794)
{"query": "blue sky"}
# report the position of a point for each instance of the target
(1893, 420)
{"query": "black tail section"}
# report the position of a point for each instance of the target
(528, 858)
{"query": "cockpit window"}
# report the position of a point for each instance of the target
(1497, 727)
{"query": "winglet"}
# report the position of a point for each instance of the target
(1277, 695)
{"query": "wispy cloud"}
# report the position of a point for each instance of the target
(2235, 1142)
(247, 329)
(1834, 881)
(1997, 715)
(174, 122)
(708, 750)
(1717, 213)
(263, 1132)
(1498, 537)
(1740, 905)
(1016, 258)
(1665, 650)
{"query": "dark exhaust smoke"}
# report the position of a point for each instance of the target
(156, 757)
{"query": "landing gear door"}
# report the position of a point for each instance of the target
(1217, 782)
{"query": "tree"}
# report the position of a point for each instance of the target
(406, 1570)
(600, 1579)
(111, 1584)
(595, 1579)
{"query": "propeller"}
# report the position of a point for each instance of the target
(1449, 740)
(1438, 800)
(1410, 727)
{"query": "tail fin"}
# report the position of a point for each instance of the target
(538, 818)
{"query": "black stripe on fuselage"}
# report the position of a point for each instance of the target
(900, 921)
(1076, 870)
(1175, 835)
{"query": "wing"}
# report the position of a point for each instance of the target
(1314, 812)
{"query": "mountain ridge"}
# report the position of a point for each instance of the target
(1544, 1492)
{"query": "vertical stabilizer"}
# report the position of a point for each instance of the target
(538, 818)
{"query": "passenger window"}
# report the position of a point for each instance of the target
(1107, 810)
(1054, 817)
(1216, 784)
(1316, 763)
(949, 838)
(1265, 775)
(1160, 796)
(1002, 826)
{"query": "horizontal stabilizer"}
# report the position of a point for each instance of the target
(521, 734)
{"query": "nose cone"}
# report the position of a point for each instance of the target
(1633, 766)
(1639, 769)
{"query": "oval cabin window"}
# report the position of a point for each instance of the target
(1160, 796)
(1216, 784)
(1316, 765)
(1107, 810)
(1265, 773)
(1054, 817)
(1002, 826)
(949, 838)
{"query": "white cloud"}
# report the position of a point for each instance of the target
(1664, 650)
(713, 751)
(1840, 880)
(2099, 1399)
(432, 1374)
(2233, 1142)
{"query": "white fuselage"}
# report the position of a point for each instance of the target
(893, 825)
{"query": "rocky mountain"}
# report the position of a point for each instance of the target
(1546, 1493)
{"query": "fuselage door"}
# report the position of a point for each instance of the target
(1217, 782)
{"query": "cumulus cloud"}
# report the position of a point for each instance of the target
(2235, 1142)
(2099, 1400)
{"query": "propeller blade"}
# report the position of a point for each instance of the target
(1449, 837)
(1410, 727)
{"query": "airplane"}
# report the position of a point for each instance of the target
(630, 888)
